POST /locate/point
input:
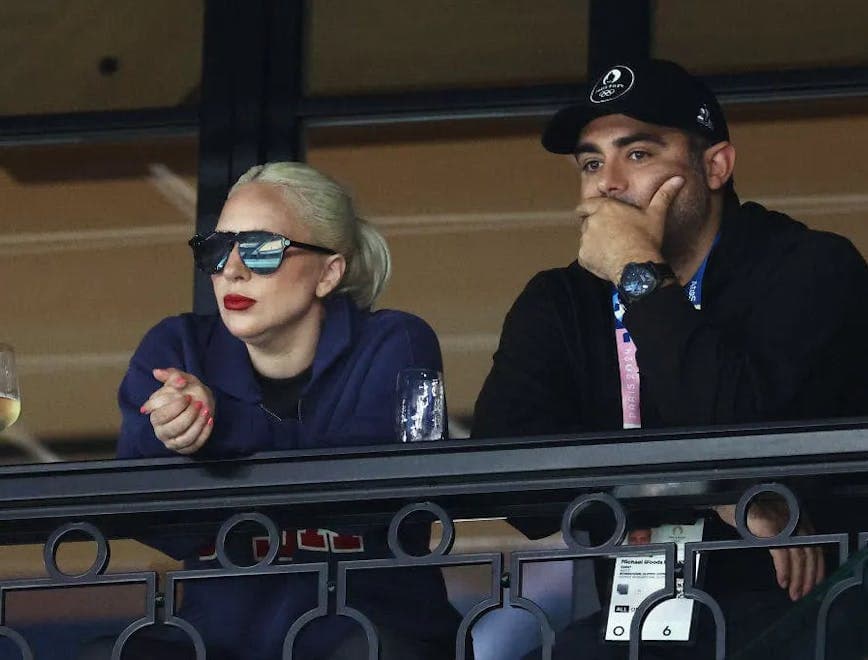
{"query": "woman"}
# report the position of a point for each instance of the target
(295, 359)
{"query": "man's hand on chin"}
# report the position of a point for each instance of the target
(614, 233)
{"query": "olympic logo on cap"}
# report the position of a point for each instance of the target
(615, 83)
(612, 77)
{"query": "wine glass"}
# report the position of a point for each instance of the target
(421, 409)
(10, 398)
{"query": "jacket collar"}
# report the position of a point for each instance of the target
(227, 363)
(728, 244)
(342, 319)
(730, 225)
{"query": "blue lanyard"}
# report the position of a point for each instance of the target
(693, 289)
(626, 349)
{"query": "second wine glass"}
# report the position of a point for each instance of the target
(421, 406)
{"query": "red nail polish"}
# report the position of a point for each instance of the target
(210, 421)
(205, 412)
(198, 405)
(188, 398)
(143, 410)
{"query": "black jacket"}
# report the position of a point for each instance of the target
(780, 336)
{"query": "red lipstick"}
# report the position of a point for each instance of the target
(235, 302)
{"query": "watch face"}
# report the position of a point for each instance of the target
(637, 280)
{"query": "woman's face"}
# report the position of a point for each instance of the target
(265, 310)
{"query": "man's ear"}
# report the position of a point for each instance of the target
(332, 273)
(719, 163)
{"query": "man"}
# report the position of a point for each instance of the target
(683, 307)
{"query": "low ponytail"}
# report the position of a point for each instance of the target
(369, 267)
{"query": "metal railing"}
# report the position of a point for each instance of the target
(825, 464)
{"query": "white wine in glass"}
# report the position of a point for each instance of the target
(10, 398)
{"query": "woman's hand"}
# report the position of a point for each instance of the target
(181, 411)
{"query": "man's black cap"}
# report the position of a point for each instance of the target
(654, 91)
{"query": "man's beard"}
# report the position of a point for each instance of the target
(684, 222)
(685, 218)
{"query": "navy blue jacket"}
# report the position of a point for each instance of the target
(349, 400)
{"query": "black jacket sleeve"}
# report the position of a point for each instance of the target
(796, 353)
(530, 390)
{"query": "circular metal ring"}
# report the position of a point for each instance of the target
(237, 519)
(446, 541)
(18, 640)
(580, 504)
(49, 551)
(744, 501)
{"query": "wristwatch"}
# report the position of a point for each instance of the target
(639, 280)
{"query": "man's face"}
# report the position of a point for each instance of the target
(628, 160)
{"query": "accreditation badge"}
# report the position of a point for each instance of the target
(638, 576)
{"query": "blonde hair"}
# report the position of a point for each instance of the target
(326, 208)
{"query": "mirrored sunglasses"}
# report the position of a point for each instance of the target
(261, 251)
